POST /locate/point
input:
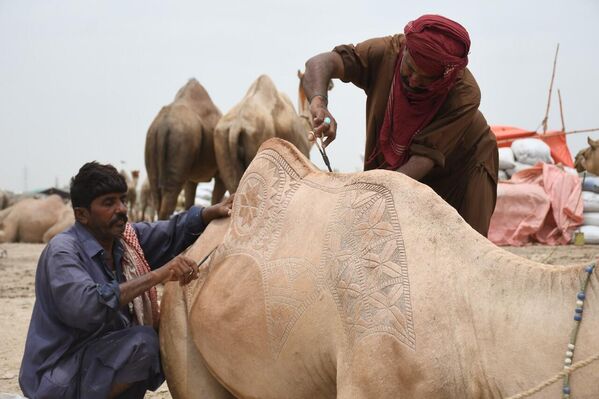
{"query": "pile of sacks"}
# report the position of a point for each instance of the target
(590, 199)
(523, 154)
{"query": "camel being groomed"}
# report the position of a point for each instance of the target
(366, 285)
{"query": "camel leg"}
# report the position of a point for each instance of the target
(8, 231)
(168, 204)
(133, 214)
(4, 213)
(186, 372)
(190, 193)
(218, 192)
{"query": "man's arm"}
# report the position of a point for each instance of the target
(163, 240)
(180, 269)
(417, 167)
(320, 69)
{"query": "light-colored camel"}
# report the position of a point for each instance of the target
(3, 200)
(366, 285)
(66, 220)
(30, 219)
(179, 150)
(8, 198)
(263, 113)
(588, 158)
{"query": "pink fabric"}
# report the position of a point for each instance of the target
(542, 204)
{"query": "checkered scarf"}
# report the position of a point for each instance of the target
(145, 307)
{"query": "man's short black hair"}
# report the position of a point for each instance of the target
(94, 180)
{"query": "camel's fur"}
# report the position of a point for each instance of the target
(588, 158)
(366, 285)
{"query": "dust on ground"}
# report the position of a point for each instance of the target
(17, 294)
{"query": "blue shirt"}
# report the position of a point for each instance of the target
(77, 294)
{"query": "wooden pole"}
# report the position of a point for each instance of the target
(542, 136)
(561, 110)
(550, 90)
(577, 131)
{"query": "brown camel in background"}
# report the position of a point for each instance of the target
(179, 151)
(588, 158)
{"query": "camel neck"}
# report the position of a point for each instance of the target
(524, 316)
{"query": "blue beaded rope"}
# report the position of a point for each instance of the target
(580, 297)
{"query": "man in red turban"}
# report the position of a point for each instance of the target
(422, 111)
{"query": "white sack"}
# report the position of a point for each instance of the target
(591, 234)
(590, 201)
(530, 151)
(506, 158)
(518, 166)
(591, 218)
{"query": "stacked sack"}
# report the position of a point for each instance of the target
(590, 198)
(523, 154)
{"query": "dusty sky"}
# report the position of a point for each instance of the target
(82, 80)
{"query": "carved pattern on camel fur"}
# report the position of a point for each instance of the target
(373, 297)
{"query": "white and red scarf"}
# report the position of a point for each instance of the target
(145, 307)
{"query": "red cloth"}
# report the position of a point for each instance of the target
(542, 203)
(556, 140)
(439, 46)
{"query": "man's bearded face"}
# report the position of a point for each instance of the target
(413, 78)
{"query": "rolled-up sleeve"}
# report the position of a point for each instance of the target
(109, 294)
(80, 301)
(163, 240)
(361, 61)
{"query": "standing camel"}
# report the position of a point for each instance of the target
(263, 113)
(179, 149)
(132, 211)
(146, 206)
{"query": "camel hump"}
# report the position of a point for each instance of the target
(192, 86)
(263, 87)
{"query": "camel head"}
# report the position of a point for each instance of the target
(302, 101)
(588, 158)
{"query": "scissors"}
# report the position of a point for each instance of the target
(320, 146)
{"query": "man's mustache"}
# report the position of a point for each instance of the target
(119, 217)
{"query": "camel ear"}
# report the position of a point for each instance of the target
(300, 75)
(331, 85)
(592, 143)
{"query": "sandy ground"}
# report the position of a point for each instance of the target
(17, 273)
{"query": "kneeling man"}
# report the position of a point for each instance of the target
(93, 331)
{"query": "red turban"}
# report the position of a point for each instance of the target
(439, 46)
